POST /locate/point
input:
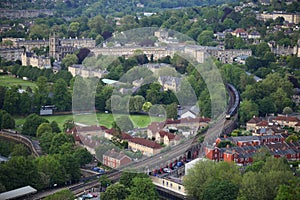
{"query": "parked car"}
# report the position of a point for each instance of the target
(167, 170)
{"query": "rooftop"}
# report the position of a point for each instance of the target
(146, 143)
(12, 194)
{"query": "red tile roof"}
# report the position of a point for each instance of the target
(156, 126)
(286, 118)
(76, 129)
(113, 154)
(125, 136)
(165, 133)
(254, 120)
(145, 142)
(262, 123)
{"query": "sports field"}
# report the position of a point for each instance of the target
(103, 119)
(11, 81)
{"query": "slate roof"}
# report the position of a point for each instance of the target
(113, 154)
(146, 143)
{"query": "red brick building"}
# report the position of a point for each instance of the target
(114, 159)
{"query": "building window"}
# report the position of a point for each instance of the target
(171, 185)
(163, 182)
(179, 188)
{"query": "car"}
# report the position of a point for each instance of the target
(167, 170)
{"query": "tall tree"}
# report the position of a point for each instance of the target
(142, 188)
(31, 124)
(247, 110)
(41, 92)
(43, 128)
(69, 60)
(115, 192)
(11, 101)
(61, 96)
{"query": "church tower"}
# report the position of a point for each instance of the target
(53, 45)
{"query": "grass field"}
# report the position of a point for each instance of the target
(10, 81)
(103, 119)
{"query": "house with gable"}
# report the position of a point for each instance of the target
(166, 138)
(251, 124)
(115, 159)
(146, 147)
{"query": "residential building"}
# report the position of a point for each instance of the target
(35, 61)
(240, 32)
(170, 83)
(188, 112)
(16, 14)
(166, 138)
(243, 155)
(251, 124)
(115, 160)
(110, 133)
(289, 17)
(252, 140)
(286, 121)
(146, 147)
(85, 72)
(12, 54)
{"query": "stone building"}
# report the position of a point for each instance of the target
(35, 61)
(12, 54)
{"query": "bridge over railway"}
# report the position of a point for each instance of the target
(32, 145)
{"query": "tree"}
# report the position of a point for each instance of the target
(289, 192)
(19, 171)
(115, 192)
(43, 128)
(55, 127)
(291, 138)
(171, 110)
(61, 195)
(73, 29)
(11, 101)
(264, 184)
(287, 110)
(69, 60)
(61, 96)
(96, 24)
(20, 150)
(247, 110)
(215, 189)
(45, 142)
(136, 103)
(127, 177)
(2, 97)
(71, 165)
(31, 124)
(6, 120)
(82, 54)
(205, 38)
(41, 92)
(199, 178)
(51, 167)
(68, 125)
(59, 140)
(83, 156)
(39, 31)
(142, 188)
(104, 181)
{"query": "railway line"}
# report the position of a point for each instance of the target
(12, 135)
(222, 125)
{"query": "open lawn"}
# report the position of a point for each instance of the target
(103, 119)
(10, 81)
